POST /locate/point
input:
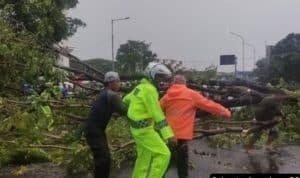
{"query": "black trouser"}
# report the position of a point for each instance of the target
(180, 157)
(99, 147)
(273, 134)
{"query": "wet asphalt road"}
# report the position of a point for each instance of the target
(203, 162)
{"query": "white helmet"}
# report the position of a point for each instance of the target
(155, 68)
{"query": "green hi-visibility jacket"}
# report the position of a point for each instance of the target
(143, 103)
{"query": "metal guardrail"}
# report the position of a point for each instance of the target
(80, 66)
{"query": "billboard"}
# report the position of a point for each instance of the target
(227, 60)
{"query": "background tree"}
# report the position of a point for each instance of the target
(134, 56)
(21, 60)
(46, 19)
(205, 75)
(266, 71)
(27, 29)
(284, 62)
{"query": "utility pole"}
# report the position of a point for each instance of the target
(243, 50)
(112, 46)
(235, 68)
(254, 53)
(112, 40)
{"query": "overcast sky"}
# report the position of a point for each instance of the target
(195, 31)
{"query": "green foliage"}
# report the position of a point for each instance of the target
(100, 64)
(118, 133)
(27, 156)
(134, 56)
(21, 59)
(23, 131)
(19, 121)
(4, 157)
(44, 18)
(290, 44)
(284, 62)
(266, 71)
(244, 114)
(292, 118)
(31, 131)
(289, 131)
(27, 29)
(20, 156)
(81, 160)
(200, 76)
(225, 140)
(228, 140)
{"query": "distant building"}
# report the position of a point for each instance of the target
(63, 59)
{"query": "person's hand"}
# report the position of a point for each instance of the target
(173, 141)
(226, 113)
(244, 133)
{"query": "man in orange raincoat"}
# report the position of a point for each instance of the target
(180, 104)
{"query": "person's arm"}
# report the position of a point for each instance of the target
(153, 107)
(278, 112)
(162, 103)
(209, 106)
(117, 103)
(126, 98)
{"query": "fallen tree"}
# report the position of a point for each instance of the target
(69, 113)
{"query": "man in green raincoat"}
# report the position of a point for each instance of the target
(145, 117)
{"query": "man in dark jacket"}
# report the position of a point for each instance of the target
(266, 110)
(105, 105)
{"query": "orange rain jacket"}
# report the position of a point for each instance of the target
(180, 104)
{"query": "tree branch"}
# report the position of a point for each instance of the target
(52, 136)
(117, 148)
(227, 122)
(220, 131)
(263, 125)
(17, 102)
(70, 106)
(206, 133)
(50, 146)
(78, 118)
